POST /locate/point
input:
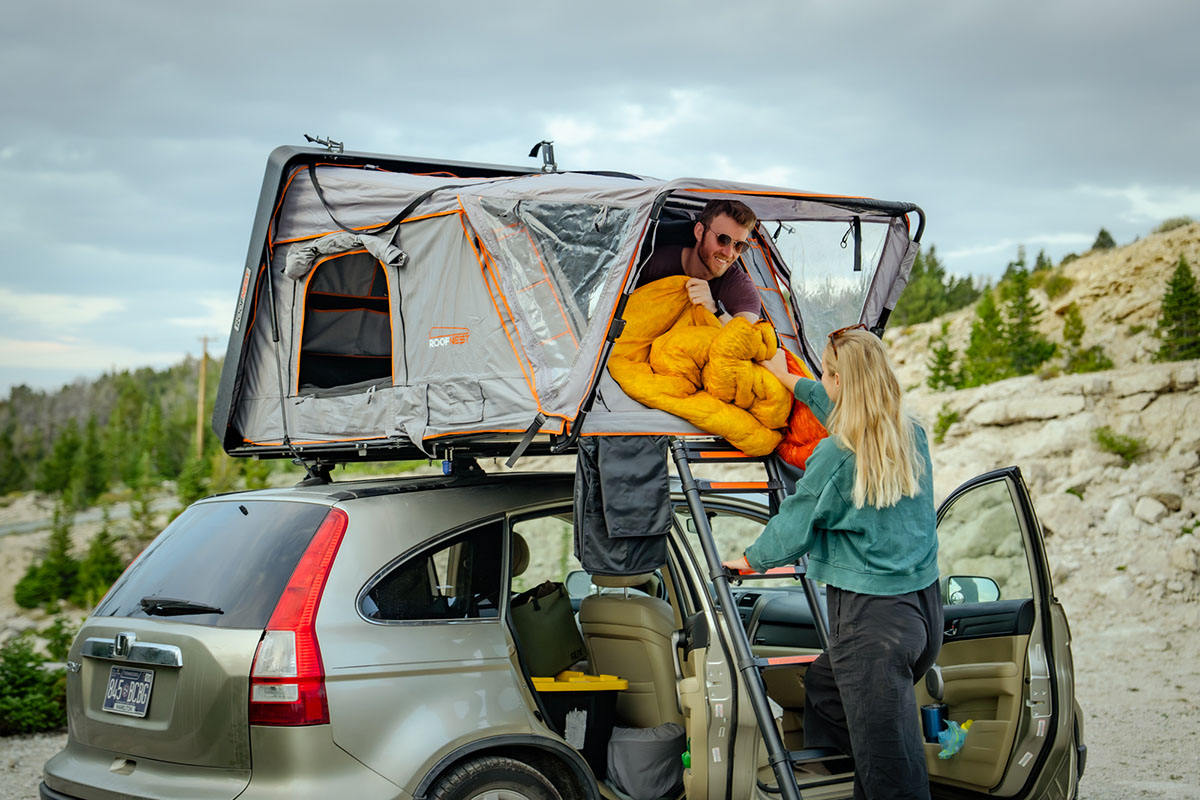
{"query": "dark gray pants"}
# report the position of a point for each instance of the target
(859, 694)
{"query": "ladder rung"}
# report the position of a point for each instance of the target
(784, 661)
(717, 451)
(719, 487)
(814, 754)
(794, 571)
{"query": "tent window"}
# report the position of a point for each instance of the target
(347, 335)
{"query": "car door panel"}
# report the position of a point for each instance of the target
(994, 660)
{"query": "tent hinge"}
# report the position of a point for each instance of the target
(547, 148)
(328, 143)
(615, 330)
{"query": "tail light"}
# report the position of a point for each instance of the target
(287, 680)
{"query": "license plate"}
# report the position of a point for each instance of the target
(128, 691)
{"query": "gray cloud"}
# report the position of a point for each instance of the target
(133, 140)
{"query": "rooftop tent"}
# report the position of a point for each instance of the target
(394, 308)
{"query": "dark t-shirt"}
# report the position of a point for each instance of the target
(735, 289)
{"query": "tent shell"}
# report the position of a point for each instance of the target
(495, 291)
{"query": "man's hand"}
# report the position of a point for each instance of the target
(700, 294)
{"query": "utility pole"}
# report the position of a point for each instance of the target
(200, 398)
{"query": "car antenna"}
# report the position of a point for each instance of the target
(329, 144)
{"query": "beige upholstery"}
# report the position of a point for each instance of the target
(629, 635)
(520, 554)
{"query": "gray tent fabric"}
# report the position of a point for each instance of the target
(491, 304)
(301, 259)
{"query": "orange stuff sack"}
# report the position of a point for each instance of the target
(677, 357)
(803, 430)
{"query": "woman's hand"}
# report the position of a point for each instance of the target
(777, 366)
(738, 565)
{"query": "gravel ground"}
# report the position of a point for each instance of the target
(21, 759)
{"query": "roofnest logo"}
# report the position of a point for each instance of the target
(445, 337)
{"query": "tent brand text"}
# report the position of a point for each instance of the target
(444, 337)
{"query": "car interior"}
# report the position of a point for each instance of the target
(637, 627)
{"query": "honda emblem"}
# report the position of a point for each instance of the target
(123, 644)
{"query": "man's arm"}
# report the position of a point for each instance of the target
(700, 293)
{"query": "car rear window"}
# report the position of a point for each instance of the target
(235, 556)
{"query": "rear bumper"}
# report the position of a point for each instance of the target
(46, 793)
(289, 762)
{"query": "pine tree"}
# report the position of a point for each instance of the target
(931, 292)
(59, 569)
(1012, 268)
(192, 483)
(12, 468)
(986, 357)
(1104, 241)
(141, 513)
(1079, 359)
(942, 374)
(90, 470)
(1042, 263)
(1027, 349)
(55, 474)
(100, 567)
(1179, 319)
(53, 578)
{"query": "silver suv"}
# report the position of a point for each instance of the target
(355, 639)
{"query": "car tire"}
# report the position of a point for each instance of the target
(494, 778)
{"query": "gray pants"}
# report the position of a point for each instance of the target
(859, 694)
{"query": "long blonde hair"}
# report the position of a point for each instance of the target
(870, 420)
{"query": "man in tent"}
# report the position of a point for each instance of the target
(722, 235)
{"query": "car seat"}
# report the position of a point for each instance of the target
(630, 636)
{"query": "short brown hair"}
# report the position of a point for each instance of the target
(736, 210)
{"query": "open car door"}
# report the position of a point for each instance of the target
(1005, 662)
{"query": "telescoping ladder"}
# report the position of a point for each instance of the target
(685, 453)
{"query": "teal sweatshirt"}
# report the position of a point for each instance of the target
(883, 551)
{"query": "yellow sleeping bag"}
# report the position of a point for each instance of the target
(677, 357)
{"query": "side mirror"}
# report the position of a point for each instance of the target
(578, 583)
(960, 589)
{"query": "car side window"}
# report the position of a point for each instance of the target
(459, 579)
(549, 541)
(979, 536)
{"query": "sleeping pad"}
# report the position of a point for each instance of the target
(677, 357)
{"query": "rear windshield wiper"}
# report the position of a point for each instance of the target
(170, 607)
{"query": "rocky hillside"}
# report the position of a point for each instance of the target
(1117, 533)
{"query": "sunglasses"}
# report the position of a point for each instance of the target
(833, 335)
(725, 240)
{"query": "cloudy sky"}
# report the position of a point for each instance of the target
(133, 135)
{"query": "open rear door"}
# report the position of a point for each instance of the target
(1005, 658)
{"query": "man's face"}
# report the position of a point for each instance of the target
(717, 259)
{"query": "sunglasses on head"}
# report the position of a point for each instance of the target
(725, 240)
(834, 334)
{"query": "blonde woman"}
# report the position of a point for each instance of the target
(863, 513)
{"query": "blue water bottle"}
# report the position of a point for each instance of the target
(933, 721)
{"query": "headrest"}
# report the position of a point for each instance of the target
(520, 554)
(620, 581)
